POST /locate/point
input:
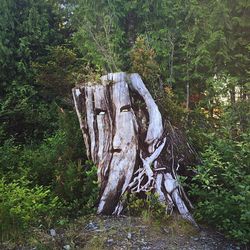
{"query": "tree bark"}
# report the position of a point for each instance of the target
(128, 143)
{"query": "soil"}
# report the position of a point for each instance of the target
(127, 233)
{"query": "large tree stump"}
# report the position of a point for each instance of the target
(124, 136)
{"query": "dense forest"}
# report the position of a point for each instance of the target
(193, 57)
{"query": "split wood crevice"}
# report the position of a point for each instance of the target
(125, 137)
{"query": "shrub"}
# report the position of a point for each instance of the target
(149, 207)
(221, 187)
(59, 162)
(22, 207)
(76, 185)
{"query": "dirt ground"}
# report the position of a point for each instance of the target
(127, 233)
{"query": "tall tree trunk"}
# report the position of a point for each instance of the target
(232, 96)
(171, 60)
(188, 95)
(233, 102)
(244, 103)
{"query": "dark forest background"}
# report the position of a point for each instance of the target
(192, 55)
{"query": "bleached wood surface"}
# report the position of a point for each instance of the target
(111, 135)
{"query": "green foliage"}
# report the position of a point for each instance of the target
(173, 45)
(144, 63)
(22, 207)
(98, 25)
(149, 207)
(221, 187)
(143, 60)
(76, 184)
(47, 184)
(57, 163)
(55, 72)
(27, 28)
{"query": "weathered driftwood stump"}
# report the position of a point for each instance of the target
(124, 136)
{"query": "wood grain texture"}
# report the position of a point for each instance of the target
(128, 144)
